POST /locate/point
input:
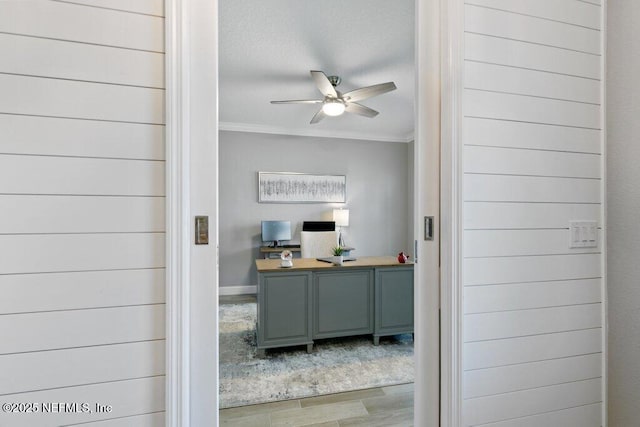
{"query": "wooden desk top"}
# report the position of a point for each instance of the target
(301, 264)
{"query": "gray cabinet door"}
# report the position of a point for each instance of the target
(342, 303)
(394, 301)
(284, 309)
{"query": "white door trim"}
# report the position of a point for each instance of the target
(191, 148)
(451, 206)
(177, 215)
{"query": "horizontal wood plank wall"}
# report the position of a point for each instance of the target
(82, 210)
(532, 352)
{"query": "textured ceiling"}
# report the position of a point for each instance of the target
(267, 48)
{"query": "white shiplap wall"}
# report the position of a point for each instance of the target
(533, 347)
(82, 209)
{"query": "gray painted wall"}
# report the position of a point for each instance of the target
(623, 205)
(377, 173)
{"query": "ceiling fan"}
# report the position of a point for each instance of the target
(336, 103)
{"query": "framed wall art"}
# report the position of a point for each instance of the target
(290, 187)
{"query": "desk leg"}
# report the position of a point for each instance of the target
(310, 348)
(376, 340)
(261, 353)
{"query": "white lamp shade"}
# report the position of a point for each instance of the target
(341, 217)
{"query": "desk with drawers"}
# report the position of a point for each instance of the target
(315, 299)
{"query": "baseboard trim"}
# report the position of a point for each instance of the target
(237, 290)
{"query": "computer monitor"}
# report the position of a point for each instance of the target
(276, 231)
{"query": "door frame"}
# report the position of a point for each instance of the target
(191, 146)
(451, 208)
(192, 185)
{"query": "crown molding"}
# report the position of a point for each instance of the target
(322, 133)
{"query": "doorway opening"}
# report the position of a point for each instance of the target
(192, 315)
(380, 182)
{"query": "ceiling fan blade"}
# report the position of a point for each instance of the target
(299, 101)
(319, 116)
(324, 85)
(352, 107)
(369, 91)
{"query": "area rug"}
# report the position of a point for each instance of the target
(336, 365)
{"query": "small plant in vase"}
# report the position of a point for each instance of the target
(337, 252)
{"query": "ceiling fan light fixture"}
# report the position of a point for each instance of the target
(335, 103)
(333, 107)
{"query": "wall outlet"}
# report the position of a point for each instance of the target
(583, 234)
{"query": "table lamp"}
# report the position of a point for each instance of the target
(341, 218)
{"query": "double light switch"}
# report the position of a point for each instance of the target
(583, 234)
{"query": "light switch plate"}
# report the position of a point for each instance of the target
(583, 234)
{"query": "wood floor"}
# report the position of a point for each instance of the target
(377, 407)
